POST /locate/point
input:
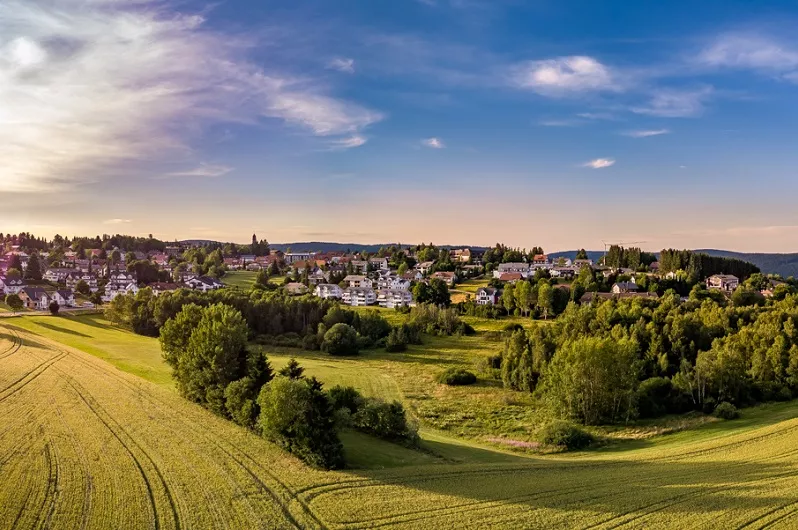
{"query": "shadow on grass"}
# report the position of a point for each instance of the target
(59, 329)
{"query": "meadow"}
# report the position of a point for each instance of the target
(92, 435)
(246, 279)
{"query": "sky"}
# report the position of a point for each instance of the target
(561, 124)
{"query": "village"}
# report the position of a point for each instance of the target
(89, 278)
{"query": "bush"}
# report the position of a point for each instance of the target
(341, 339)
(384, 420)
(726, 411)
(310, 342)
(298, 416)
(456, 377)
(401, 336)
(565, 435)
(54, 308)
(345, 397)
(240, 401)
(653, 396)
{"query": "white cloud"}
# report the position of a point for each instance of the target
(348, 143)
(596, 115)
(560, 123)
(749, 51)
(203, 170)
(647, 133)
(599, 163)
(565, 75)
(435, 143)
(342, 64)
(89, 87)
(117, 221)
(669, 103)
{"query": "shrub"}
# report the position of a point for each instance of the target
(54, 308)
(653, 396)
(457, 376)
(310, 342)
(345, 397)
(240, 401)
(565, 435)
(298, 416)
(401, 336)
(384, 420)
(341, 339)
(726, 411)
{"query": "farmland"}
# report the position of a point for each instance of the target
(93, 436)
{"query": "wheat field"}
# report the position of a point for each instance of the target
(85, 445)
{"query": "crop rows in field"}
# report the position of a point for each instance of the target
(83, 445)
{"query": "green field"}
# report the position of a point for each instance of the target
(93, 436)
(246, 279)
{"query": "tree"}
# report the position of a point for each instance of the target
(34, 269)
(54, 308)
(15, 262)
(116, 257)
(402, 269)
(545, 299)
(83, 288)
(523, 296)
(508, 298)
(581, 254)
(297, 415)
(592, 380)
(14, 302)
(341, 339)
(262, 278)
(292, 370)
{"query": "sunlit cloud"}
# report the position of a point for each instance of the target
(599, 163)
(564, 76)
(88, 88)
(435, 143)
(646, 133)
(203, 170)
(117, 221)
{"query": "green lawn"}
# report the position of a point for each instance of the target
(246, 279)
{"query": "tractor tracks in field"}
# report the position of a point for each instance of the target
(28, 377)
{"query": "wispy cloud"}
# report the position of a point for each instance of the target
(564, 76)
(348, 143)
(599, 163)
(646, 133)
(560, 123)
(750, 51)
(342, 64)
(596, 115)
(672, 103)
(117, 221)
(155, 77)
(435, 143)
(203, 170)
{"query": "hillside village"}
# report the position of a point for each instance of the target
(72, 276)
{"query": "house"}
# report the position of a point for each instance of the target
(510, 277)
(232, 264)
(625, 287)
(448, 277)
(463, 255)
(413, 276)
(112, 290)
(57, 275)
(424, 267)
(393, 282)
(74, 278)
(161, 259)
(487, 296)
(328, 290)
(317, 277)
(358, 296)
(379, 264)
(64, 298)
(566, 273)
(11, 284)
(204, 283)
(120, 279)
(354, 280)
(296, 288)
(540, 259)
(35, 298)
(724, 282)
(360, 266)
(654, 267)
(293, 257)
(581, 263)
(392, 298)
(160, 288)
(521, 268)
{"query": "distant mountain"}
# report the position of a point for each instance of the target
(783, 264)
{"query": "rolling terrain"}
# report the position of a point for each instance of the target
(87, 440)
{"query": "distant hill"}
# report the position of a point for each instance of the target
(783, 264)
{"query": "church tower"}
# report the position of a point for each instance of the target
(254, 239)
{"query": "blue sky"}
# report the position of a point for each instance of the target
(561, 124)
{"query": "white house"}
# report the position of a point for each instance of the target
(393, 282)
(34, 298)
(392, 298)
(160, 288)
(724, 282)
(328, 290)
(12, 285)
(317, 277)
(57, 275)
(424, 267)
(72, 280)
(379, 263)
(359, 296)
(448, 277)
(293, 257)
(64, 298)
(504, 268)
(112, 290)
(625, 287)
(120, 279)
(487, 296)
(360, 266)
(204, 283)
(354, 280)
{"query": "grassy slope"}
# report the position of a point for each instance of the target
(246, 279)
(721, 474)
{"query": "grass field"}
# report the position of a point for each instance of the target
(246, 279)
(86, 445)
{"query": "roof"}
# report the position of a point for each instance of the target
(443, 274)
(354, 278)
(589, 297)
(510, 276)
(488, 290)
(631, 286)
(726, 277)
